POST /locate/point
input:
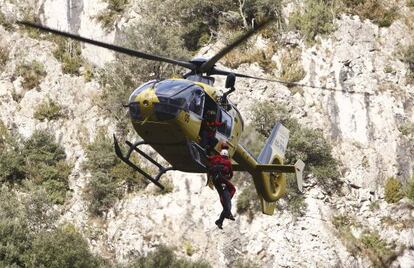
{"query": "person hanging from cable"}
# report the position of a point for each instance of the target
(221, 172)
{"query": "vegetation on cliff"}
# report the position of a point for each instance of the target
(304, 143)
(39, 162)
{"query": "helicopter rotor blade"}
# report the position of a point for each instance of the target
(208, 65)
(223, 72)
(119, 49)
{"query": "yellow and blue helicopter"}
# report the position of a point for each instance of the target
(168, 116)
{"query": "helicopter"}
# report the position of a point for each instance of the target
(168, 116)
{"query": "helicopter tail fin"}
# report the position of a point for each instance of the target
(275, 145)
(272, 170)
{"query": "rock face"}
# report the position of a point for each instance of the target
(361, 113)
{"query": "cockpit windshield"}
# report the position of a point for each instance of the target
(140, 89)
(168, 88)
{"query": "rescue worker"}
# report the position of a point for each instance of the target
(221, 172)
(208, 131)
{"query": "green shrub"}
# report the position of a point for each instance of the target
(410, 188)
(393, 190)
(266, 114)
(40, 160)
(245, 263)
(5, 22)
(30, 11)
(62, 247)
(247, 201)
(88, 73)
(296, 204)
(112, 13)
(316, 19)
(15, 238)
(377, 249)
(103, 192)
(189, 248)
(410, 3)
(11, 160)
(370, 244)
(11, 166)
(46, 166)
(304, 143)
(398, 223)
(408, 54)
(41, 148)
(49, 110)
(39, 208)
(342, 221)
(29, 238)
(32, 73)
(69, 53)
(164, 257)
(4, 57)
(199, 21)
(409, 77)
(109, 175)
(252, 140)
(407, 128)
(258, 10)
(388, 69)
(291, 69)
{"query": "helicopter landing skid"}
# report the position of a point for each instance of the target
(134, 147)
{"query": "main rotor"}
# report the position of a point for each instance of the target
(197, 66)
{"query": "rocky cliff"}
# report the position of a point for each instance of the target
(366, 103)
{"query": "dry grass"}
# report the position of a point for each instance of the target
(370, 244)
(4, 57)
(291, 66)
(378, 12)
(263, 57)
(110, 15)
(32, 73)
(49, 110)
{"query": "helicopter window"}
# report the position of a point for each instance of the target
(171, 87)
(185, 98)
(197, 102)
(228, 123)
(140, 89)
(203, 79)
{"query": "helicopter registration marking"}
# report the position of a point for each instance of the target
(187, 117)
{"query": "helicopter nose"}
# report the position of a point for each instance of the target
(166, 109)
(135, 111)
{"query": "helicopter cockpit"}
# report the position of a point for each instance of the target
(173, 96)
(203, 79)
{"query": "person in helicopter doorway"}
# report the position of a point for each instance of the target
(221, 172)
(208, 131)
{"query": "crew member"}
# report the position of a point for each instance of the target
(221, 173)
(208, 131)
